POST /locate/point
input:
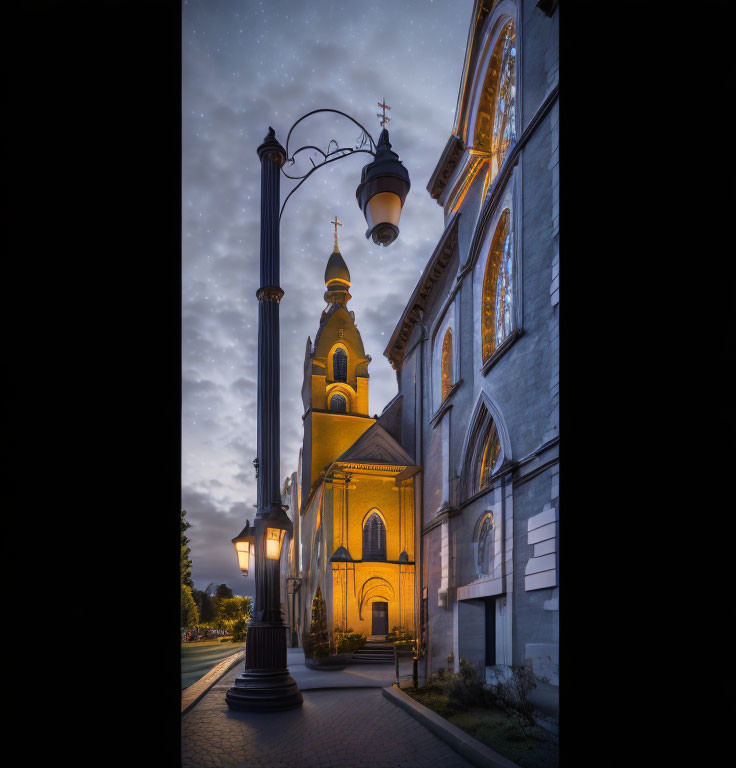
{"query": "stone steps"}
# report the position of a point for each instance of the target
(374, 652)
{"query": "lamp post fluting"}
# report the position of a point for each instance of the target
(265, 683)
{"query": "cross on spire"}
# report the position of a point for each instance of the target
(384, 107)
(335, 223)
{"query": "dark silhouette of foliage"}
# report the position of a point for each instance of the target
(223, 591)
(186, 563)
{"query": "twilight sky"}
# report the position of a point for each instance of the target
(248, 64)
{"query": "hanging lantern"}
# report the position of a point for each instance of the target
(244, 544)
(383, 188)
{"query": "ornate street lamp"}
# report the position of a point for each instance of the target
(244, 544)
(265, 683)
(383, 188)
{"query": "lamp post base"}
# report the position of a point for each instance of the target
(265, 684)
(264, 690)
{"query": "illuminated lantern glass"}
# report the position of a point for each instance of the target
(381, 193)
(243, 550)
(244, 543)
(274, 539)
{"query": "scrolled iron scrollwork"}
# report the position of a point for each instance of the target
(330, 155)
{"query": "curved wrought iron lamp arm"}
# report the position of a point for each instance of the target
(330, 155)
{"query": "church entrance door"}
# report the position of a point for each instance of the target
(380, 619)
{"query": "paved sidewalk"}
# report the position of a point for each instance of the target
(355, 727)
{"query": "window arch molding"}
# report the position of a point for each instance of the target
(340, 388)
(509, 199)
(484, 412)
(504, 12)
(375, 549)
(332, 363)
(373, 511)
(447, 320)
(498, 315)
(446, 364)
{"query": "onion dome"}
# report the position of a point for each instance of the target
(337, 279)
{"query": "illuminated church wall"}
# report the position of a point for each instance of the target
(351, 470)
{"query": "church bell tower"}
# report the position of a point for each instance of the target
(335, 388)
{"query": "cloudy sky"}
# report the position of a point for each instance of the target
(248, 64)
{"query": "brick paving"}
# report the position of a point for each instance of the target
(347, 728)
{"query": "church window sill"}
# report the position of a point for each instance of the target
(445, 405)
(501, 350)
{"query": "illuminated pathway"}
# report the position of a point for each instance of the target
(348, 728)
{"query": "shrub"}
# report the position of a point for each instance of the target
(513, 692)
(401, 634)
(402, 638)
(347, 641)
(240, 628)
(466, 688)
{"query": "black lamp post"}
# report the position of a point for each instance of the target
(265, 683)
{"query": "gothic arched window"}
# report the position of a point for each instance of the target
(495, 126)
(504, 113)
(338, 403)
(340, 365)
(447, 364)
(374, 539)
(490, 457)
(498, 288)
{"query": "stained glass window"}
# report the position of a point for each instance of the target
(374, 539)
(338, 404)
(495, 125)
(447, 364)
(491, 455)
(504, 113)
(340, 365)
(498, 288)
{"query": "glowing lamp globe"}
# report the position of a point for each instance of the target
(383, 188)
(274, 539)
(244, 544)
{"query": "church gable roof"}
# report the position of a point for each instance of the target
(377, 445)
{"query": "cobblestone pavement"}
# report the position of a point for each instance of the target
(351, 728)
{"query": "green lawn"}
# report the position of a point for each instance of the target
(532, 747)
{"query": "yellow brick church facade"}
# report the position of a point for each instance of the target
(356, 489)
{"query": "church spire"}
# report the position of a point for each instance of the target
(337, 275)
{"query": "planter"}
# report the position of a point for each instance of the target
(332, 663)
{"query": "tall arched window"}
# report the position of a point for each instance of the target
(374, 539)
(498, 288)
(495, 126)
(447, 364)
(504, 113)
(338, 404)
(491, 456)
(340, 365)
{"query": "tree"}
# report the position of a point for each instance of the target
(186, 563)
(231, 610)
(189, 612)
(318, 638)
(223, 591)
(205, 604)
